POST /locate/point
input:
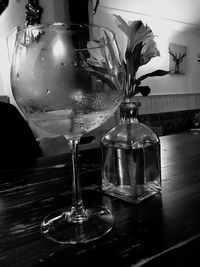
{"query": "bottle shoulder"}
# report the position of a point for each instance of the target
(130, 135)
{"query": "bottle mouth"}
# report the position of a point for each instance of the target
(130, 105)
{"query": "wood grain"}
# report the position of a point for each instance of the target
(161, 231)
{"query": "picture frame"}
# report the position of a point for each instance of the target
(177, 59)
(11, 38)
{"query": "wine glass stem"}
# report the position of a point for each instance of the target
(78, 212)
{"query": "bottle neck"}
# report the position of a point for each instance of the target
(129, 112)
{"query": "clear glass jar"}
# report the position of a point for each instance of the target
(131, 158)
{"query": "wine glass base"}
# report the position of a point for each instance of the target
(58, 227)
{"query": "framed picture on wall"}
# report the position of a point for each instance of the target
(177, 58)
(11, 41)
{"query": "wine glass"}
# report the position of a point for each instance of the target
(68, 80)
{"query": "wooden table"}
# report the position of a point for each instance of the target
(162, 231)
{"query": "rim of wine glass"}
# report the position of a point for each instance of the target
(67, 26)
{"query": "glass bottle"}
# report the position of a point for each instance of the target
(131, 158)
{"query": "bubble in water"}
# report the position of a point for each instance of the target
(73, 64)
(62, 84)
(17, 76)
(32, 74)
(45, 75)
(47, 91)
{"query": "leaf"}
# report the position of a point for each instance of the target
(90, 72)
(100, 69)
(112, 52)
(143, 90)
(154, 73)
(123, 26)
(104, 80)
(133, 59)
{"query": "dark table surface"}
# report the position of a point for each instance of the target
(161, 231)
